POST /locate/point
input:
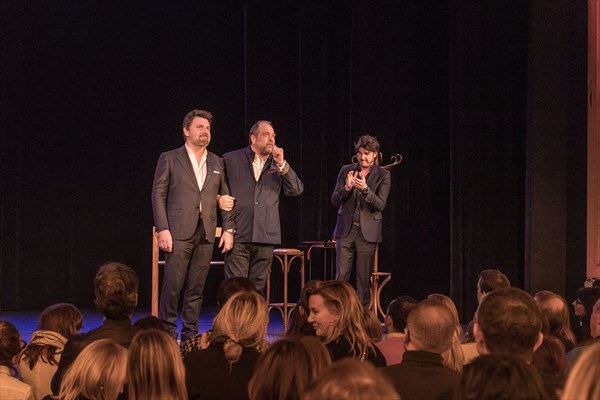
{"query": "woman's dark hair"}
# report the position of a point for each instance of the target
(62, 318)
(10, 343)
(499, 377)
(588, 297)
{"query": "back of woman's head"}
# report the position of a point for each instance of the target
(10, 343)
(56, 324)
(243, 320)
(499, 377)
(372, 325)
(551, 358)
(286, 368)
(98, 372)
(351, 379)
(231, 286)
(583, 382)
(62, 318)
(155, 369)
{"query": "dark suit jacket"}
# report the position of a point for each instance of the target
(373, 203)
(119, 331)
(176, 196)
(422, 375)
(257, 203)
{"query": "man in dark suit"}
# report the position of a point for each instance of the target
(116, 295)
(360, 194)
(187, 183)
(257, 174)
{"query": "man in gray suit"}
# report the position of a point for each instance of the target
(187, 183)
(257, 174)
(360, 194)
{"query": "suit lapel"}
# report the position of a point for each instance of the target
(210, 168)
(184, 160)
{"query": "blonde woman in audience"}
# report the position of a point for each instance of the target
(336, 314)
(350, 379)
(454, 356)
(583, 381)
(224, 369)
(39, 360)
(98, 373)
(155, 370)
(287, 368)
(10, 346)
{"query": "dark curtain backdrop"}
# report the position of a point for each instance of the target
(94, 91)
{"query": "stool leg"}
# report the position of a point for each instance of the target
(286, 268)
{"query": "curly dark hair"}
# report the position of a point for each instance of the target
(116, 290)
(367, 142)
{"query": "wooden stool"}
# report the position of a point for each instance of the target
(376, 287)
(285, 258)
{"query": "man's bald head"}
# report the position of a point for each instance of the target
(430, 327)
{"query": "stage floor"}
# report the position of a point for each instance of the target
(26, 321)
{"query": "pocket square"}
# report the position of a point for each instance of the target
(216, 172)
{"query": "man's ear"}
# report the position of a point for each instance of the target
(407, 338)
(388, 321)
(539, 341)
(479, 339)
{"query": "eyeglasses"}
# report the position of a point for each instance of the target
(578, 301)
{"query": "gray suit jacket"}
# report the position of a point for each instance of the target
(373, 203)
(176, 196)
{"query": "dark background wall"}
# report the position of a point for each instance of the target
(93, 92)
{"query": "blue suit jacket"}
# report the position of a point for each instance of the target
(257, 203)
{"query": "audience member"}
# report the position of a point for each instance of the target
(499, 377)
(556, 310)
(299, 325)
(392, 346)
(287, 368)
(372, 325)
(429, 333)
(490, 280)
(224, 369)
(468, 345)
(550, 360)
(116, 295)
(454, 356)
(227, 288)
(154, 369)
(350, 379)
(574, 354)
(39, 360)
(150, 322)
(583, 382)
(582, 305)
(336, 314)
(98, 373)
(10, 347)
(508, 322)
